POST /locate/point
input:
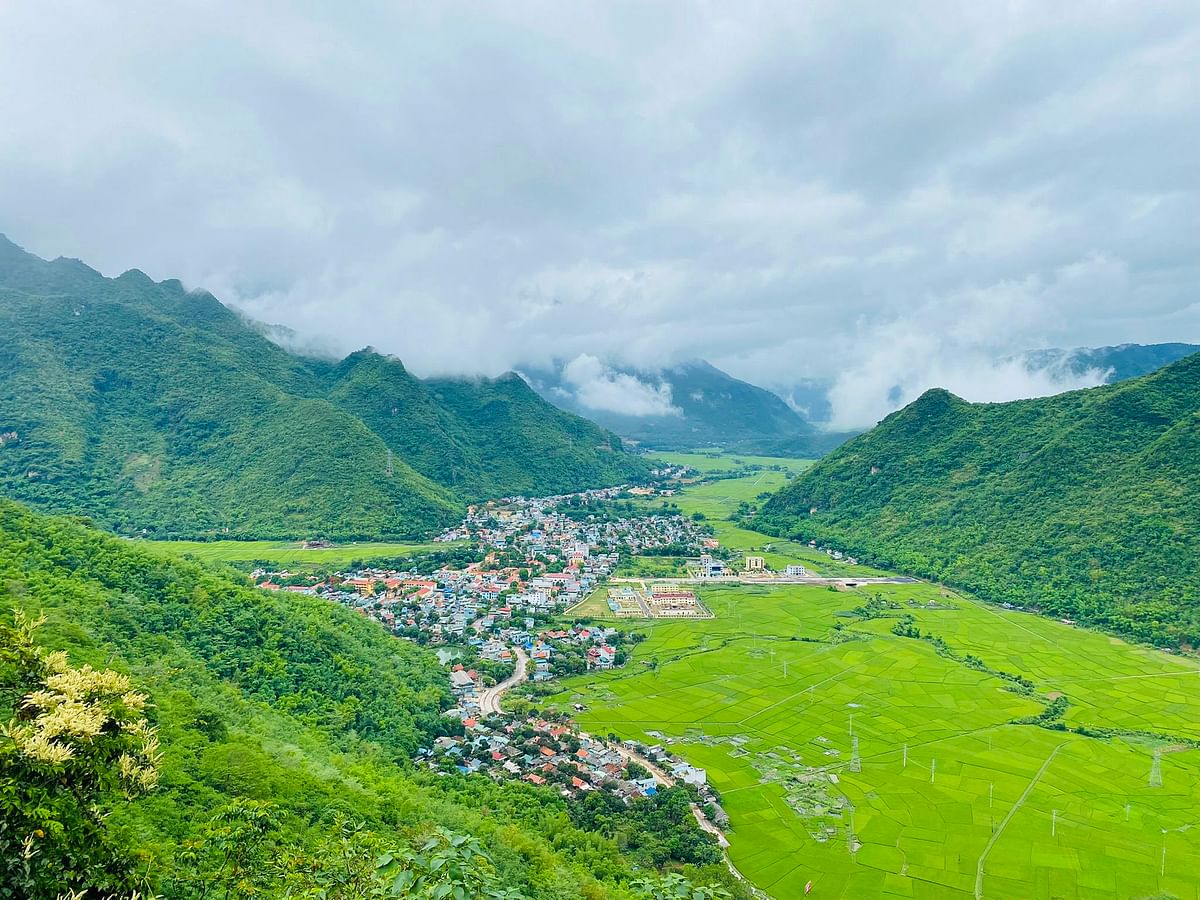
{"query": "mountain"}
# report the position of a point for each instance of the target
(1119, 362)
(156, 410)
(279, 717)
(696, 405)
(1082, 504)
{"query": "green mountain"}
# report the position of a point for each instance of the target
(1119, 363)
(1082, 504)
(156, 410)
(265, 699)
(707, 408)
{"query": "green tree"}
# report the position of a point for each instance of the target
(76, 743)
(676, 887)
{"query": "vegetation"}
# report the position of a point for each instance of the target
(76, 741)
(294, 555)
(286, 727)
(160, 412)
(1081, 505)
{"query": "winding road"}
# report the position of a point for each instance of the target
(489, 700)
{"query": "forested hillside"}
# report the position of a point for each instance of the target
(162, 412)
(492, 437)
(1084, 505)
(286, 726)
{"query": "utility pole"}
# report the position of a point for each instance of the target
(389, 470)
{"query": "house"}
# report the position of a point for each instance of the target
(461, 683)
(690, 774)
(601, 657)
(647, 786)
(796, 571)
(755, 564)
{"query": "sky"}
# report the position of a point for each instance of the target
(889, 196)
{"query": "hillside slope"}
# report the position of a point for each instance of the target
(156, 410)
(287, 700)
(1082, 504)
(481, 437)
(709, 408)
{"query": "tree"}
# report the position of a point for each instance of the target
(77, 742)
(676, 887)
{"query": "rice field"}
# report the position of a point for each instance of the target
(877, 765)
(289, 553)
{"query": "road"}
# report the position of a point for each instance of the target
(844, 580)
(489, 700)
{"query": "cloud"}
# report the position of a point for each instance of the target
(878, 196)
(598, 387)
(956, 342)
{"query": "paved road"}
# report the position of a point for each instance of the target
(489, 700)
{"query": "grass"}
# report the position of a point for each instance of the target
(710, 461)
(290, 553)
(951, 798)
(717, 499)
(594, 604)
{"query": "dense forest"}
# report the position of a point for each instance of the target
(160, 411)
(280, 732)
(1083, 505)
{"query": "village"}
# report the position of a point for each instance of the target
(533, 559)
(498, 621)
(554, 754)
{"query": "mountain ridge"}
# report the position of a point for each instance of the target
(708, 407)
(160, 411)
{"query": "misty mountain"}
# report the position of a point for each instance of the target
(693, 404)
(150, 408)
(1120, 362)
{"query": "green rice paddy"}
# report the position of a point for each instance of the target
(289, 553)
(876, 766)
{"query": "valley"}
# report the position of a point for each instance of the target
(541, 451)
(912, 741)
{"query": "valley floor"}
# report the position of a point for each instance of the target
(877, 763)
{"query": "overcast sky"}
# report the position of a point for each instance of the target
(894, 195)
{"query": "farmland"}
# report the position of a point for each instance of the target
(290, 553)
(876, 763)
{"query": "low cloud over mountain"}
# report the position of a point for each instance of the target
(882, 198)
